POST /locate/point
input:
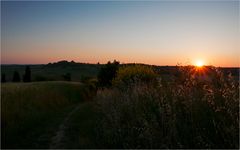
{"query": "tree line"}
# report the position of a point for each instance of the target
(16, 76)
(105, 76)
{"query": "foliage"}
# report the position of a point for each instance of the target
(16, 77)
(192, 112)
(134, 73)
(27, 75)
(107, 73)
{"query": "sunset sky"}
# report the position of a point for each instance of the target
(157, 32)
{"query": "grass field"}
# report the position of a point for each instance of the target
(141, 109)
(32, 112)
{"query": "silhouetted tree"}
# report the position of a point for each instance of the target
(27, 75)
(3, 79)
(67, 77)
(107, 73)
(16, 77)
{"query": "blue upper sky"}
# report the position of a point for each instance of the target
(157, 32)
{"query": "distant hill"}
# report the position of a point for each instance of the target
(56, 70)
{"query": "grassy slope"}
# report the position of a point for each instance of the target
(53, 71)
(31, 112)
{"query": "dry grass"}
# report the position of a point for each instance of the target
(27, 108)
(188, 113)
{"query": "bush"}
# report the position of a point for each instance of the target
(107, 73)
(189, 113)
(127, 75)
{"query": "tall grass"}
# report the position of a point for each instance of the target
(26, 108)
(190, 112)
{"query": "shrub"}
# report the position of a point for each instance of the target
(134, 73)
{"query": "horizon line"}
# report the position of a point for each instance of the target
(112, 61)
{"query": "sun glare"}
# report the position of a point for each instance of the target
(199, 63)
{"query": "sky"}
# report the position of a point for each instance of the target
(156, 32)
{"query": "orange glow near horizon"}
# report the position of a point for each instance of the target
(154, 33)
(88, 58)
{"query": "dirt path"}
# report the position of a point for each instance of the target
(57, 140)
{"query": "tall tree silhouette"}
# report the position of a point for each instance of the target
(27, 75)
(107, 73)
(16, 77)
(3, 79)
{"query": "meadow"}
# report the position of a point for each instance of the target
(32, 112)
(125, 106)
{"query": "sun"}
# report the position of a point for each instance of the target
(199, 63)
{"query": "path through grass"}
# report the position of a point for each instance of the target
(31, 112)
(80, 132)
